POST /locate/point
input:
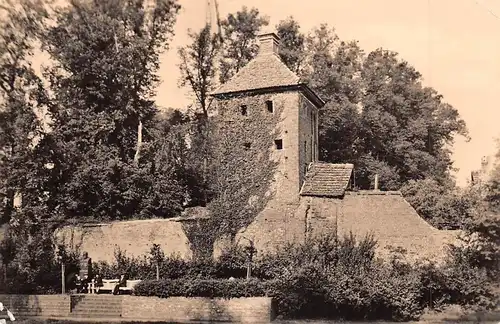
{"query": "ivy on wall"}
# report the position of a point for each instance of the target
(242, 168)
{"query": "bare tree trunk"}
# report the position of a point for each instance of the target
(139, 143)
(9, 205)
(205, 160)
(4, 268)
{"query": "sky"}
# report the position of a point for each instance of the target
(453, 43)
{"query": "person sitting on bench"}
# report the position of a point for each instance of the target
(78, 283)
(98, 282)
(121, 283)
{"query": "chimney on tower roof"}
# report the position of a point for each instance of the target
(269, 43)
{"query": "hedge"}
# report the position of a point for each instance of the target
(210, 288)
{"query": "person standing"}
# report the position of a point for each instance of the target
(85, 271)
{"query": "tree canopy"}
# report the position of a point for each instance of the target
(109, 152)
(378, 115)
(21, 98)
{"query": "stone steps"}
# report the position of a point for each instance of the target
(90, 314)
(102, 306)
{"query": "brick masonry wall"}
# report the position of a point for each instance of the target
(173, 309)
(181, 309)
(37, 305)
(133, 237)
(308, 130)
(287, 182)
(275, 226)
(392, 220)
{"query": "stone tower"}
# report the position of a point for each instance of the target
(265, 86)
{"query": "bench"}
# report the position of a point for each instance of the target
(109, 284)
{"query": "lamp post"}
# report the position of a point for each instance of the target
(61, 258)
(157, 257)
(251, 250)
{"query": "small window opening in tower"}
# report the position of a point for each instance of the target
(244, 110)
(269, 105)
(247, 145)
(279, 144)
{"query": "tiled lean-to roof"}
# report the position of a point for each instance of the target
(326, 179)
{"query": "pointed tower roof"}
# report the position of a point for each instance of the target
(266, 73)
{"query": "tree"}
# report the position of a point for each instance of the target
(485, 228)
(445, 207)
(377, 113)
(320, 45)
(404, 126)
(492, 185)
(240, 46)
(292, 44)
(106, 56)
(177, 143)
(198, 72)
(332, 68)
(21, 97)
(335, 74)
(197, 66)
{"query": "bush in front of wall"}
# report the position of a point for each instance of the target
(196, 287)
(377, 292)
(456, 283)
(325, 277)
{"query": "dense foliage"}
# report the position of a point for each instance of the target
(378, 115)
(445, 207)
(325, 277)
(239, 32)
(105, 151)
(104, 154)
(29, 261)
(102, 112)
(21, 98)
(196, 287)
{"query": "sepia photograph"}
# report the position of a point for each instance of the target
(231, 161)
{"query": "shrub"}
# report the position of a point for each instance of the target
(232, 263)
(455, 283)
(299, 293)
(32, 267)
(144, 268)
(326, 277)
(195, 287)
(379, 292)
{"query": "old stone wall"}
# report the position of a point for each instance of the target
(172, 309)
(276, 225)
(38, 305)
(286, 185)
(135, 238)
(387, 215)
(181, 309)
(308, 145)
